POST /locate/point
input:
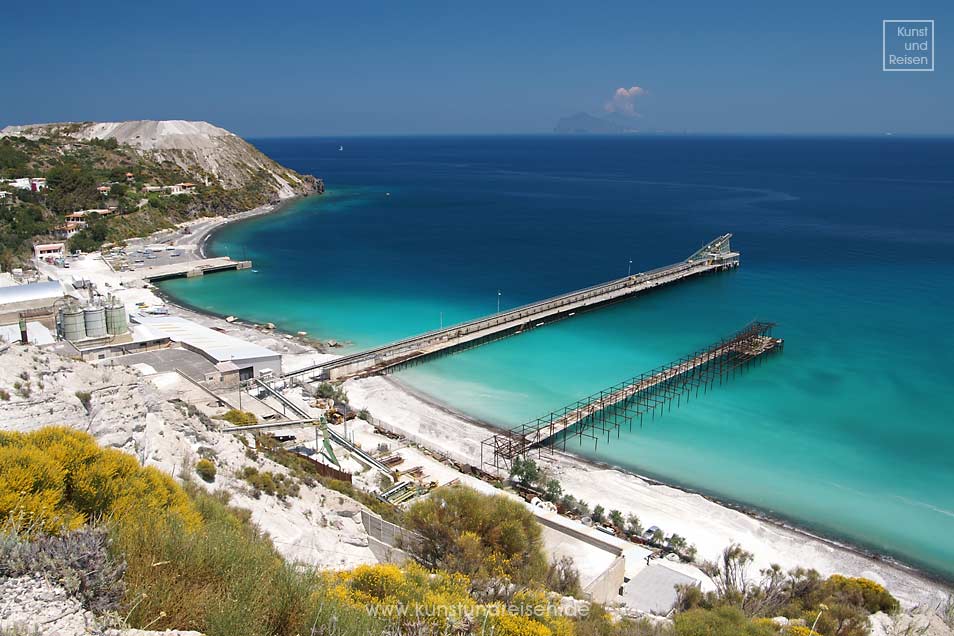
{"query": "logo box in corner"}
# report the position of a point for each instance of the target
(907, 45)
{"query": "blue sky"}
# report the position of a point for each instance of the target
(323, 68)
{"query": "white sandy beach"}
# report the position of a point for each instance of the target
(705, 523)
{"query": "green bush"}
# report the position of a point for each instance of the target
(272, 484)
(223, 579)
(724, 621)
(206, 470)
(329, 391)
(304, 470)
(85, 398)
(478, 535)
(236, 417)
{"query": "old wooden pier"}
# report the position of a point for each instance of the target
(602, 414)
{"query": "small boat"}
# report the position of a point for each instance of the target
(340, 148)
(254, 271)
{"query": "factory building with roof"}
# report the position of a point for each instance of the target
(249, 359)
(33, 301)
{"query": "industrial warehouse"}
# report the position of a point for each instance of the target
(83, 323)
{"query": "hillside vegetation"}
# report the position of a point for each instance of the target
(134, 545)
(76, 159)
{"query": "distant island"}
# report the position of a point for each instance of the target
(586, 124)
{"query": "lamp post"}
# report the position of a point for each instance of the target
(629, 270)
(498, 301)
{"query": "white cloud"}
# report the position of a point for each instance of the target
(624, 101)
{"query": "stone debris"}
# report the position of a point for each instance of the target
(32, 605)
(137, 414)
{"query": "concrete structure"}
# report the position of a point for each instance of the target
(251, 359)
(170, 268)
(33, 300)
(653, 590)
(139, 339)
(49, 251)
(598, 557)
(228, 374)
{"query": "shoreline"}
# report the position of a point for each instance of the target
(709, 523)
(839, 543)
(919, 585)
(208, 233)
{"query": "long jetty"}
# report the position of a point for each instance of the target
(605, 412)
(717, 255)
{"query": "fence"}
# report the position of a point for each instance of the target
(389, 533)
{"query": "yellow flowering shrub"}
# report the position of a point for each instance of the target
(58, 477)
(800, 630)
(766, 622)
(862, 592)
(413, 596)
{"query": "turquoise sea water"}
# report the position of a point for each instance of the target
(846, 243)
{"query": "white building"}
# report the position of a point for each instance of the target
(29, 183)
(251, 359)
(49, 251)
(68, 230)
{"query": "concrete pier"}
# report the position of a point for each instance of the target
(191, 268)
(715, 256)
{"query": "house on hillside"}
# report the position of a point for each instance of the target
(179, 188)
(68, 230)
(34, 184)
(49, 251)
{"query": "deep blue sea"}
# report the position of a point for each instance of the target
(847, 243)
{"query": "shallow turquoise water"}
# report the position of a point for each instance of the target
(845, 243)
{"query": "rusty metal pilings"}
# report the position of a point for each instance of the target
(653, 391)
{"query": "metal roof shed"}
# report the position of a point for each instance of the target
(216, 346)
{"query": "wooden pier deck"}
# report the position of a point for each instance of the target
(603, 413)
(717, 255)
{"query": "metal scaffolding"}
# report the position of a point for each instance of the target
(653, 393)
